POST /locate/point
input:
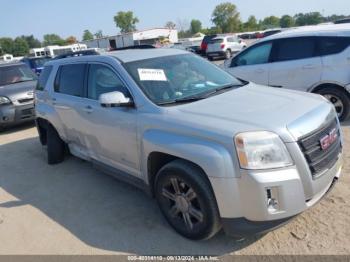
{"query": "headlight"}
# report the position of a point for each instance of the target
(261, 150)
(4, 100)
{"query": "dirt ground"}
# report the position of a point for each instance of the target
(73, 208)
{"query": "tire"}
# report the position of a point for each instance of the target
(210, 58)
(339, 99)
(228, 54)
(186, 200)
(55, 146)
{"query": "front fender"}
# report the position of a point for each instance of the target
(212, 157)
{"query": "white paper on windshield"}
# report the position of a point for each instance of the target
(152, 74)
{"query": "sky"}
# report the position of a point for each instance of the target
(72, 17)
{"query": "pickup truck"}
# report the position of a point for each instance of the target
(214, 151)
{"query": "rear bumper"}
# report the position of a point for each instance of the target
(16, 114)
(216, 54)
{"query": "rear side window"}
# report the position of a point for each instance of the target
(295, 48)
(44, 76)
(70, 80)
(332, 45)
(217, 41)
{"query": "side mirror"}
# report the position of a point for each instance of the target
(240, 41)
(115, 99)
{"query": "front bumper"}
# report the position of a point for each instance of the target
(16, 114)
(245, 202)
(242, 227)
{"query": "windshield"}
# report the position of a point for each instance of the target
(14, 74)
(170, 78)
(40, 61)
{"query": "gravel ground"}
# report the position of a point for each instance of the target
(75, 209)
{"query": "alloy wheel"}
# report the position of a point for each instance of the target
(336, 101)
(182, 206)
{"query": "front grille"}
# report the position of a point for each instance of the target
(27, 113)
(320, 160)
(25, 100)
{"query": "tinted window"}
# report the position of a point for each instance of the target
(256, 55)
(44, 76)
(332, 45)
(71, 80)
(216, 41)
(295, 48)
(103, 80)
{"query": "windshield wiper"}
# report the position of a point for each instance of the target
(202, 95)
(181, 100)
(21, 81)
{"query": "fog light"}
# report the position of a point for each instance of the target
(272, 199)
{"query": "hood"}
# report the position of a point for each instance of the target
(290, 114)
(18, 90)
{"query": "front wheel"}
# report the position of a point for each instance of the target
(55, 146)
(339, 99)
(186, 200)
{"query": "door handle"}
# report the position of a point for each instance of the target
(88, 109)
(309, 66)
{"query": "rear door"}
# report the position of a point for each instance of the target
(233, 44)
(253, 63)
(295, 63)
(68, 101)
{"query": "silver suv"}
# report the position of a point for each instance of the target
(213, 150)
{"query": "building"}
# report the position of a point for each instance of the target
(146, 37)
(55, 50)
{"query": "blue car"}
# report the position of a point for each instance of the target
(36, 63)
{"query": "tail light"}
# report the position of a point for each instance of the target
(222, 46)
(204, 46)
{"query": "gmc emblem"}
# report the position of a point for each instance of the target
(329, 139)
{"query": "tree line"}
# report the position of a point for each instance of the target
(225, 18)
(21, 45)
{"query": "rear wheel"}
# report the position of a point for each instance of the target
(210, 58)
(339, 99)
(186, 200)
(228, 54)
(55, 146)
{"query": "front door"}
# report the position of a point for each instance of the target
(253, 64)
(296, 64)
(111, 132)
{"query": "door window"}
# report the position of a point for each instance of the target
(295, 48)
(332, 44)
(256, 55)
(70, 80)
(103, 80)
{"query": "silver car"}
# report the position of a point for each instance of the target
(17, 84)
(213, 150)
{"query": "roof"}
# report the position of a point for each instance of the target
(338, 30)
(142, 54)
(10, 63)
